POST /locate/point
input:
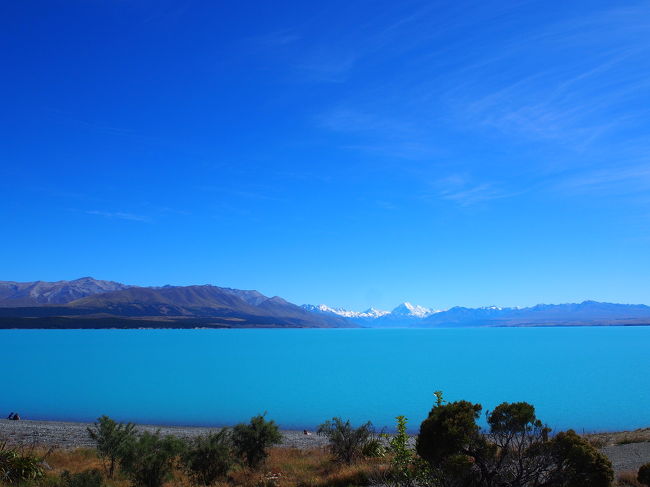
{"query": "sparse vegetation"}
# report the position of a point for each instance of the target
(252, 440)
(111, 438)
(87, 478)
(627, 479)
(643, 476)
(20, 465)
(209, 458)
(149, 460)
(348, 444)
(631, 438)
(516, 450)
(406, 468)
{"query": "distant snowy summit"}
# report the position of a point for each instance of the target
(405, 312)
(323, 308)
(413, 311)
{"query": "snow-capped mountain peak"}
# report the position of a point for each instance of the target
(408, 309)
(374, 313)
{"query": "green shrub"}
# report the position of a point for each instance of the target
(450, 429)
(515, 451)
(18, 465)
(404, 467)
(644, 474)
(250, 441)
(110, 437)
(374, 448)
(209, 458)
(346, 443)
(577, 463)
(148, 460)
(87, 478)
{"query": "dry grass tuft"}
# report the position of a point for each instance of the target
(285, 467)
(619, 438)
(627, 439)
(288, 467)
(74, 461)
(628, 479)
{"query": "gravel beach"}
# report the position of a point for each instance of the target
(624, 457)
(73, 435)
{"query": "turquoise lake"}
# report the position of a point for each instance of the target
(584, 378)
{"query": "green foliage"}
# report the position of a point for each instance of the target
(439, 398)
(374, 448)
(449, 429)
(512, 418)
(644, 474)
(209, 458)
(17, 467)
(148, 460)
(87, 478)
(577, 463)
(346, 443)
(403, 468)
(251, 441)
(110, 437)
(515, 452)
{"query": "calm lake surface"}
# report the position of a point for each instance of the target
(584, 378)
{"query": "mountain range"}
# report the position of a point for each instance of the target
(407, 315)
(92, 303)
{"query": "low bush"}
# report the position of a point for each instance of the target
(348, 444)
(110, 438)
(149, 460)
(516, 450)
(87, 478)
(406, 468)
(628, 479)
(209, 458)
(19, 466)
(629, 439)
(251, 440)
(644, 474)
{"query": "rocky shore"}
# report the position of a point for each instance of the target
(627, 450)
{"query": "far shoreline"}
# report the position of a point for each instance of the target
(74, 434)
(438, 327)
(57, 432)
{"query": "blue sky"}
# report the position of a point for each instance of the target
(352, 153)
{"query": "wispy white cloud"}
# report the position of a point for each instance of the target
(465, 192)
(582, 89)
(276, 39)
(327, 67)
(119, 215)
(627, 180)
(343, 119)
(577, 88)
(380, 134)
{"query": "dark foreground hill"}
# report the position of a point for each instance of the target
(116, 305)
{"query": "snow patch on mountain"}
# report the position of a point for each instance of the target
(323, 308)
(405, 311)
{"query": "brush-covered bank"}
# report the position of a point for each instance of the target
(296, 459)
